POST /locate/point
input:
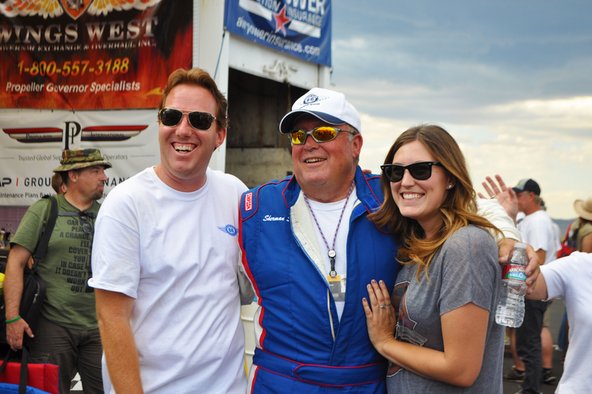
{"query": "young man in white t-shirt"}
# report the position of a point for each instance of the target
(166, 258)
(569, 278)
(537, 230)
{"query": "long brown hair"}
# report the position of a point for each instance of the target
(458, 210)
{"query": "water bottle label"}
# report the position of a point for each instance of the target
(513, 272)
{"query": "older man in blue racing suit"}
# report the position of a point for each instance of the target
(310, 251)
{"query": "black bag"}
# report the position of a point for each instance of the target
(31, 302)
(32, 298)
(33, 286)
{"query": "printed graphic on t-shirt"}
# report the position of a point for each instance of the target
(74, 266)
(405, 329)
(229, 229)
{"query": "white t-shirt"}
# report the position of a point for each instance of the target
(538, 230)
(571, 279)
(327, 215)
(177, 254)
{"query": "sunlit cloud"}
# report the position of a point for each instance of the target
(352, 43)
(513, 86)
(513, 152)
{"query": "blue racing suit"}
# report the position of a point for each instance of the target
(301, 344)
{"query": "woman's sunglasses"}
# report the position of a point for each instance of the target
(319, 134)
(197, 120)
(420, 171)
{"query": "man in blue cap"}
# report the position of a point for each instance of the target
(537, 230)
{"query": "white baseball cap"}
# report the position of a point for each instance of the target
(327, 105)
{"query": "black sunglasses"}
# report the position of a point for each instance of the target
(86, 222)
(197, 120)
(420, 171)
(319, 134)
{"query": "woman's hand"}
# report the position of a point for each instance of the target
(380, 314)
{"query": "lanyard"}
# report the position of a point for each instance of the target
(331, 250)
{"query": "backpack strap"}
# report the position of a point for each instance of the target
(24, 372)
(41, 248)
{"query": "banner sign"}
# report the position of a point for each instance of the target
(28, 155)
(301, 28)
(91, 54)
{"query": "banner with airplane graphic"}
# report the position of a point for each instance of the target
(30, 152)
(91, 54)
(301, 28)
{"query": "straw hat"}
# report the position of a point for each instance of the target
(584, 208)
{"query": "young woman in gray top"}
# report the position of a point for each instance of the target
(443, 303)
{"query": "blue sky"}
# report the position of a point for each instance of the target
(510, 80)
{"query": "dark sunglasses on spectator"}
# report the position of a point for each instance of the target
(420, 171)
(197, 120)
(319, 134)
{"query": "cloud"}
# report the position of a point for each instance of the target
(511, 83)
(513, 152)
(569, 114)
(351, 43)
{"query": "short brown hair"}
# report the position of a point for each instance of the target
(57, 182)
(197, 76)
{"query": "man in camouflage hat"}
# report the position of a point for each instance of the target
(81, 158)
(66, 333)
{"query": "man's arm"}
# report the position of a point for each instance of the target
(497, 215)
(113, 312)
(492, 211)
(506, 198)
(586, 244)
(247, 293)
(506, 246)
(13, 290)
(538, 289)
(542, 255)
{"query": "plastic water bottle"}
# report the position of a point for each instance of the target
(510, 308)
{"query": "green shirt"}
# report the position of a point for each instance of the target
(65, 269)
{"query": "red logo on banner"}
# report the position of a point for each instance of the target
(75, 8)
(280, 21)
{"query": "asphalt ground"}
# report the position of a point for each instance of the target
(555, 311)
